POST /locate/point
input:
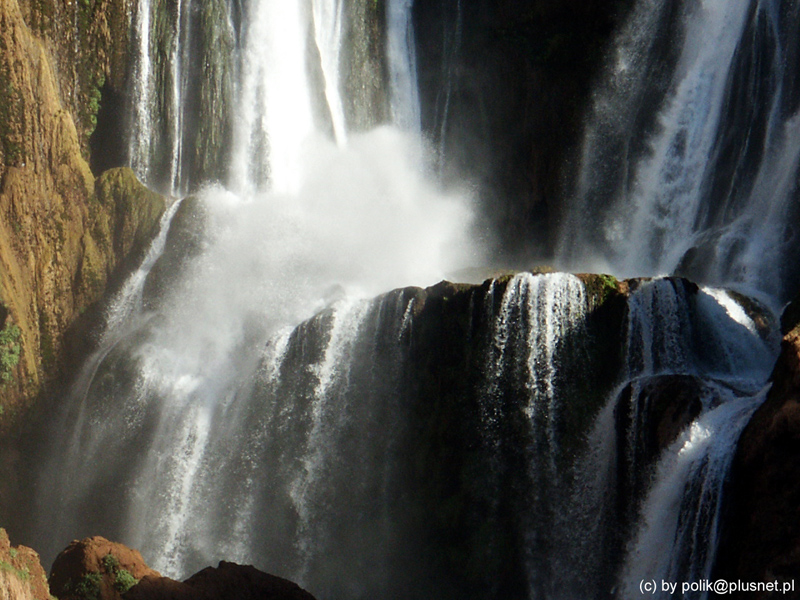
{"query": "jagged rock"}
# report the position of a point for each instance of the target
(21, 574)
(96, 569)
(761, 537)
(671, 402)
(228, 580)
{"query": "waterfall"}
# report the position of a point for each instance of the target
(402, 60)
(142, 95)
(685, 502)
(265, 390)
(538, 315)
(701, 188)
(328, 33)
(274, 99)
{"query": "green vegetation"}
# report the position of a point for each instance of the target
(88, 587)
(95, 95)
(600, 288)
(123, 580)
(10, 350)
(110, 563)
(22, 574)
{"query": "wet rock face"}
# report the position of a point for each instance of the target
(95, 568)
(761, 539)
(671, 402)
(503, 92)
(228, 580)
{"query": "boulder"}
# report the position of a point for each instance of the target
(228, 580)
(96, 569)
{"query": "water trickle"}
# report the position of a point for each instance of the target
(328, 33)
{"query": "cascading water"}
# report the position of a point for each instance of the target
(142, 95)
(685, 502)
(328, 32)
(183, 61)
(688, 165)
(705, 187)
(307, 223)
(403, 65)
(486, 442)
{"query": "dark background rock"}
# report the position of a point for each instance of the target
(504, 87)
(224, 582)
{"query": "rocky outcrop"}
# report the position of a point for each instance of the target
(185, 241)
(761, 539)
(62, 234)
(21, 574)
(228, 580)
(97, 569)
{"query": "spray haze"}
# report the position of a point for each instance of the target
(364, 220)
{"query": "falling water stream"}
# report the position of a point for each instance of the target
(266, 399)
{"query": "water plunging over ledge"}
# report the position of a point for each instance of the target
(266, 399)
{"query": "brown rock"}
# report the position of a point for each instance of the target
(97, 569)
(21, 574)
(62, 233)
(227, 581)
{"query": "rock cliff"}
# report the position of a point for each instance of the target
(228, 580)
(21, 574)
(97, 568)
(63, 232)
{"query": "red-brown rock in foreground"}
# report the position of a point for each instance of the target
(227, 581)
(21, 574)
(96, 568)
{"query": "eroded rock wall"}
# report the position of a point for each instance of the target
(62, 232)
